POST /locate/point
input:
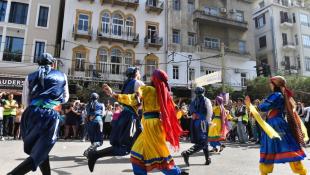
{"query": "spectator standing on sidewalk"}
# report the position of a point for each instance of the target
(242, 116)
(19, 114)
(107, 123)
(1, 122)
(9, 114)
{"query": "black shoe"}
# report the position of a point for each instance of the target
(23, 168)
(184, 173)
(185, 158)
(92, 158)
(214, 150)
(222, 148)
(208, 161)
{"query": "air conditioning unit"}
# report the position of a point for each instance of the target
(233, 11)
(223, 10)
(237, 71)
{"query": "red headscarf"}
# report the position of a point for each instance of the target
(290, 105)
(168, 114)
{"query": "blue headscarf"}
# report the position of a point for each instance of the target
(45, 61)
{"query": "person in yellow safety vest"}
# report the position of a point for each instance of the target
(242, 117)
(9, 114)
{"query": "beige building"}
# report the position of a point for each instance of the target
(282, 35)
(196, 29)
(27, 28)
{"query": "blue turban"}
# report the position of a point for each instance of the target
(199, 90)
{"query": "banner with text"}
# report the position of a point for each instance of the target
(11, 83)
(212, 78)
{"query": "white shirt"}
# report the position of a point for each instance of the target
(307, 113)
(1, 112)
(108, 116)
(138, 83)
(209, 110)
(25, 96)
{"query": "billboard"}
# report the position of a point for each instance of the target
(11, 83)
(212, 78)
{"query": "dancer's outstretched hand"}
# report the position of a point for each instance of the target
(106, 89)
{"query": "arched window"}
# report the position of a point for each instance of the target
(118, 24)
(129, 26)
(151, 64)
(102, 60)
(128, 59)
(116, 61)
(105, 23)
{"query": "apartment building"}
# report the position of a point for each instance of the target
(102, 38)
(196, 29)
(27, 29)
(282, 36)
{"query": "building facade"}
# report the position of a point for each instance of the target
(27, 29)
(196, 29)
(282, 36)
(102, 38)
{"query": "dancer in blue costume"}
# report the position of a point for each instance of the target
(95, 111)
(43, 90)
(127, 128)
(201, 111)
(288, 148)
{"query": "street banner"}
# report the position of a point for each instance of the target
(212, 78)
(11, 83)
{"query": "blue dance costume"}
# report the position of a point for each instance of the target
(276, 150)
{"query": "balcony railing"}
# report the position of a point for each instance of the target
(91, 1)
(81, 34)
(124, 37)
(286, 20)
(203, 16)
(126, 3)
(156, 6)
(156, 42)
(289, 45)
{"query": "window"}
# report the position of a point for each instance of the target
(304, 20)
(294, 18)
(287, 63)
(128, 59)
(262, 42)
(83, 24)
(190, 6)
(213, 43)
(262, 4)
(129, 26)
(175, 72)
(191, 39)
(43, 16)
(80, 61)
(240, 16)
(242, 47)
(243, 79)
(176, 36)
(191, 74)
(176, 4)
(18, 13)
(102, 60)
(260, 21)
(2, 10)
(151, 65)
(13, 49)
(38, 50)
(296, 40)
(284, 38)
(117, 24)
(116, 60)
(306, 40)
(152, 33)
(105, 23)
(284, 17)
(214, 11)
(307, 64)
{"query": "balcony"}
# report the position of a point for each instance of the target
(107, 72)
(91, 1)
(76, 33)
(289, 46)
(125, 38)
(202, 16)
(286, 23)
(125, 3)
(155, 42)
(155, 6)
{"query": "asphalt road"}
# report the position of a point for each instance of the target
(66, 158)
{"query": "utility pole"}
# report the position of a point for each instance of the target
(188, 62)
(223, 65)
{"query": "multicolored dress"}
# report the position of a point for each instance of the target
(149, 150)
(281, 150)
(215, 130)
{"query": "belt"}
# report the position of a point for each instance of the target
(150, 115)
(273, 113)
(45, 103)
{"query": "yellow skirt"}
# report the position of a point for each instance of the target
(215, 130)
(150, 150)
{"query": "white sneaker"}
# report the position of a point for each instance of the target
(2, 139)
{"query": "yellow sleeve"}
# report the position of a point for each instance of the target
(129, 99)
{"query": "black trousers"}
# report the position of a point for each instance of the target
(8, 123)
